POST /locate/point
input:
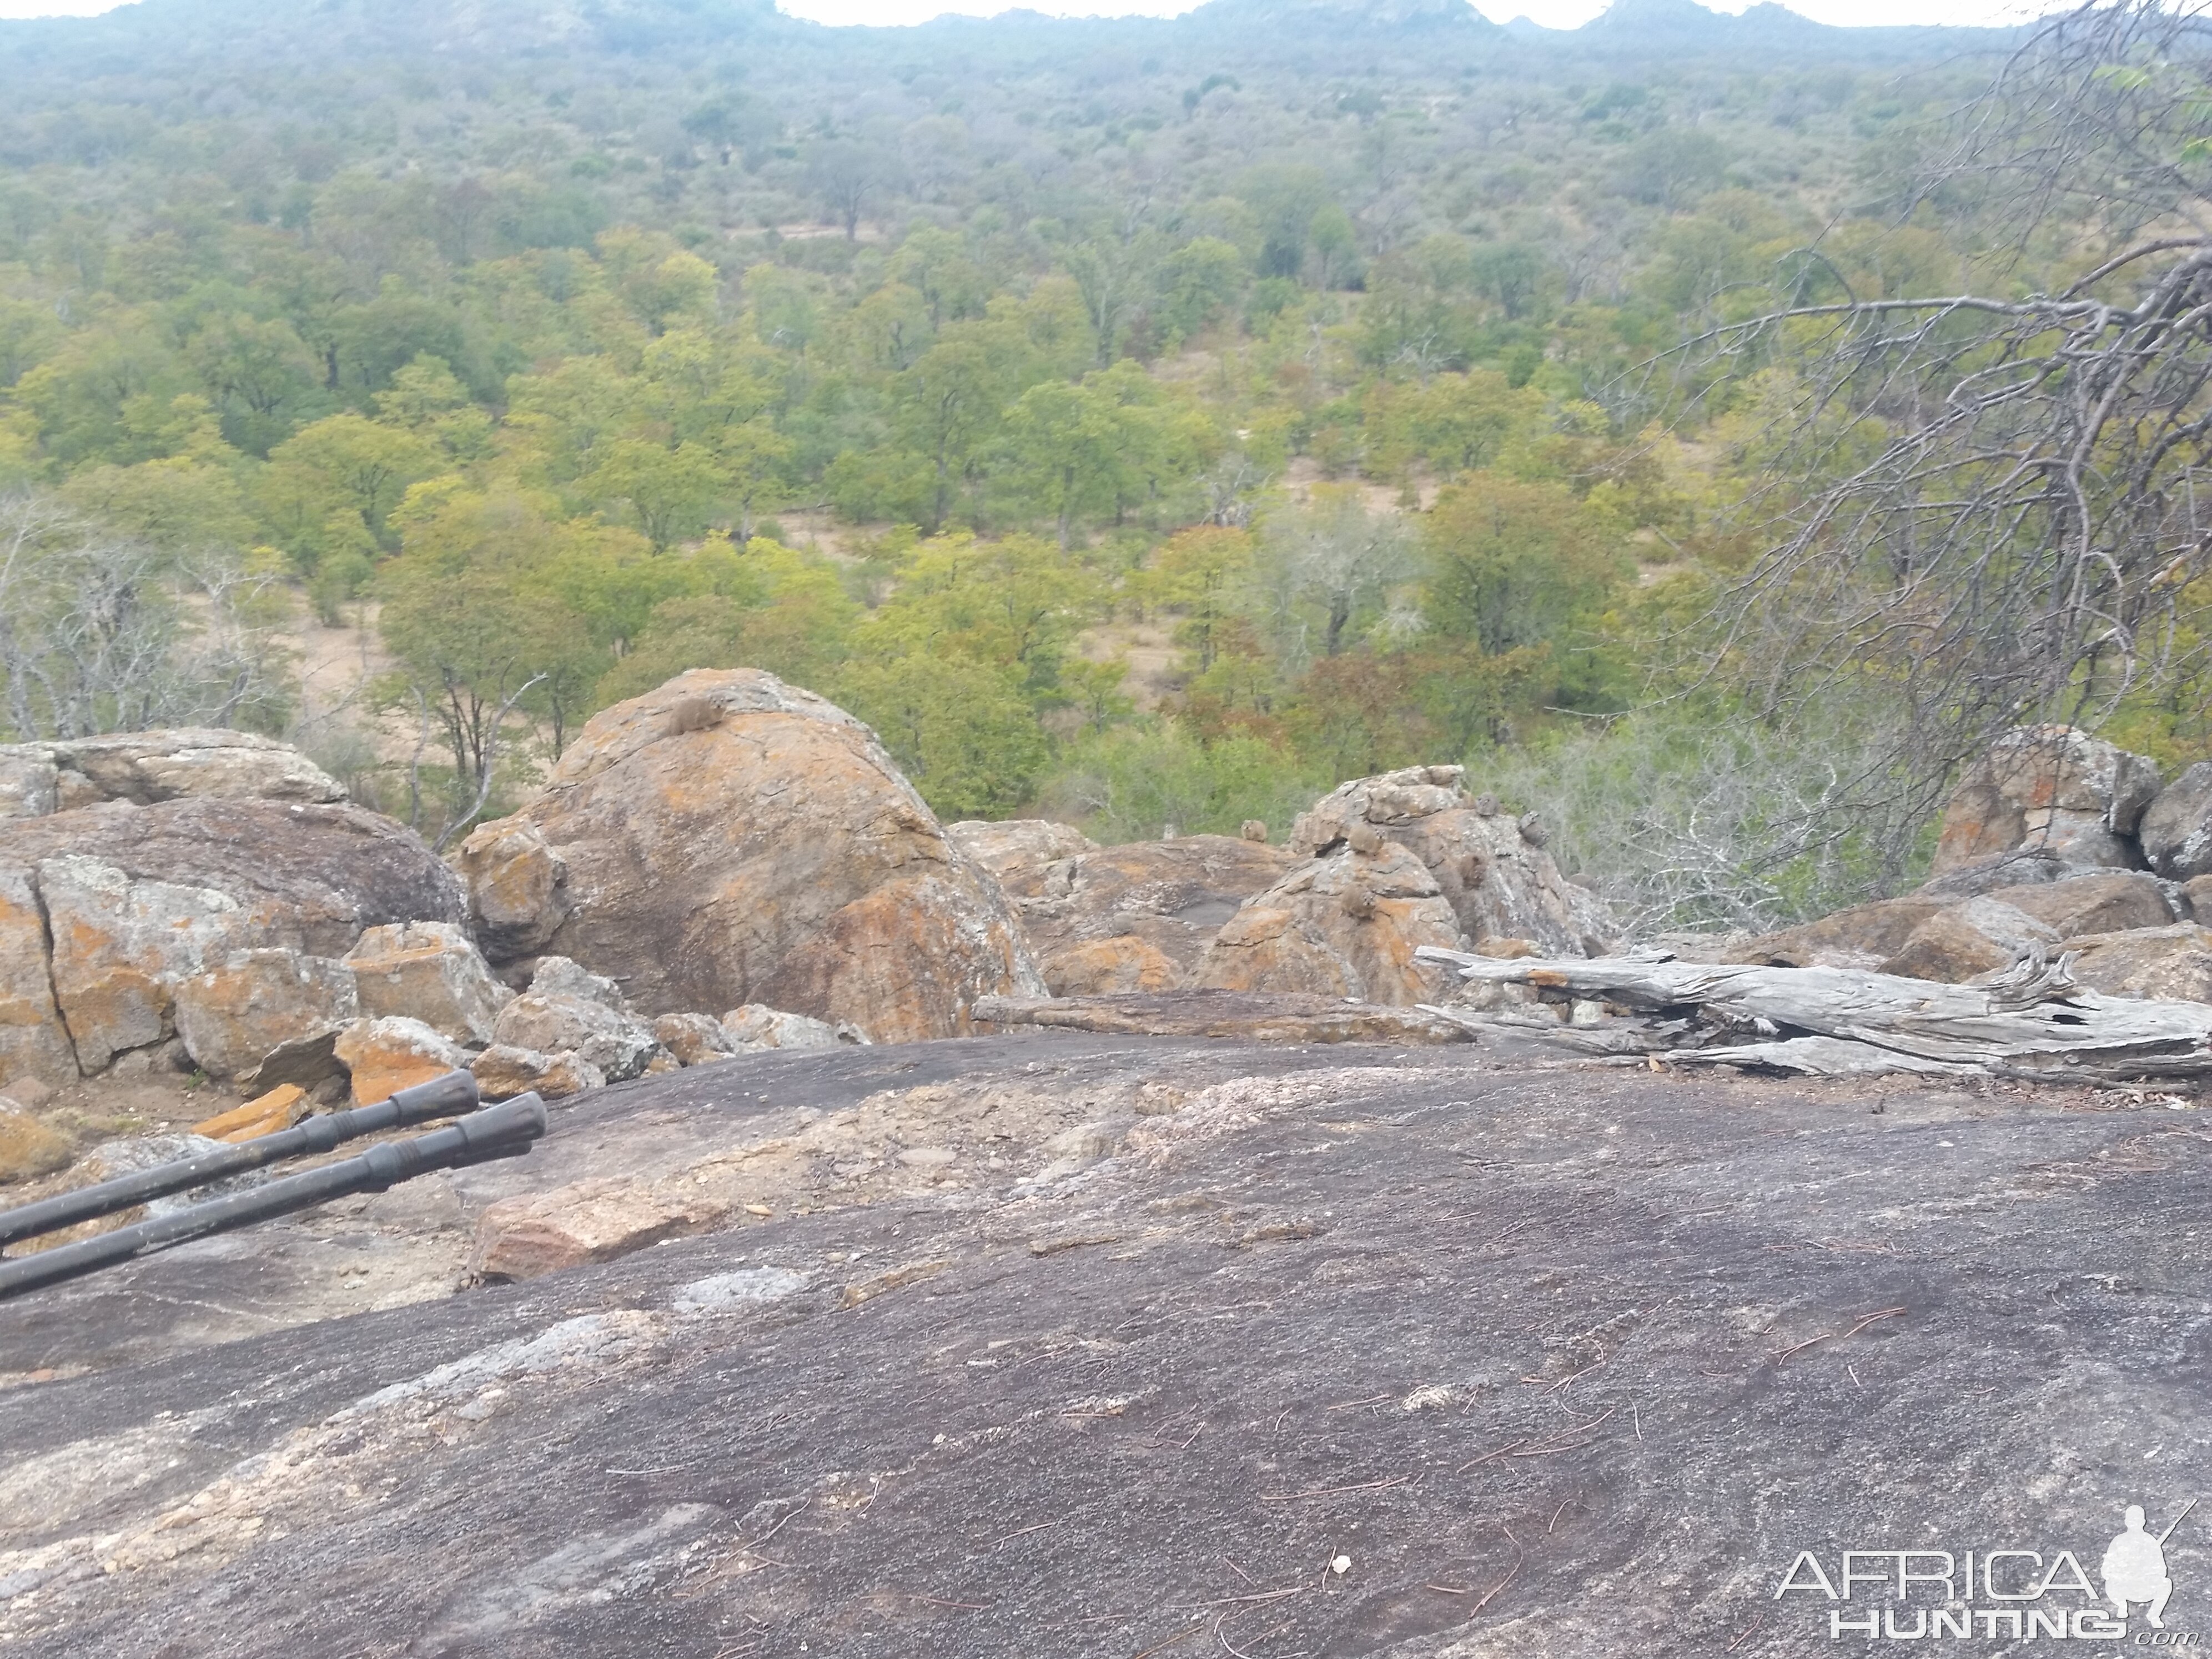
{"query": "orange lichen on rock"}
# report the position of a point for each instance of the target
(265, 1115)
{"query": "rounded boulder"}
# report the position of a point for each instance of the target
(730, 839)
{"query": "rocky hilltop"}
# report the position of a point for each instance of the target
(725, 863)
(1241, 1280)
(728, 863)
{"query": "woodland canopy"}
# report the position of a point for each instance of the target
(1711, 430)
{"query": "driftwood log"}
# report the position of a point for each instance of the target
(2033, 1022)
(1214, 1013)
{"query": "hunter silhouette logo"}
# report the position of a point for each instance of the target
(2135, 1567)
(2015, 1595)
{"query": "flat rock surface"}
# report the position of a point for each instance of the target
(1554, 1359)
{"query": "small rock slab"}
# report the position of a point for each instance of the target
(265, 1115)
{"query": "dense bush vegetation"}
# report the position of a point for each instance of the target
(952, 372)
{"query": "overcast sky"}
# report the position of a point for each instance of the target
(1556, 14)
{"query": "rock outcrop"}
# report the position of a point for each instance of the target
(430, 971)
(2052, 788)
(1966, 940)
(1139, 917)
(27, 781)
(569, 1010)
(232, 1018)
(33, 1041)
(265, 1115)
(730, 839)
(1863, 936)
(142, 767)
(518, 888)
(503, 1072)
(1345, 925)
(755, 1028)
(694, 1039)
(28, 1147)
(2173, 961)
(2017, 866)
(106, 910)
(1018, 850)
(1955, 936)
(383, 1056)
(1246, 1017)
(1492, 868)
(2176, 831)
(2105, 903)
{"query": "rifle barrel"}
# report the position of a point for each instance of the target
(507, 1130)
(2176, 1522)
(441, 1096)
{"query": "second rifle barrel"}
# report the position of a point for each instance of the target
(507, 1130)
(441, 1096)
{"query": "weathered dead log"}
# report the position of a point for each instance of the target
(1616, 1037)
(1820, 1056)
(2033, 1021)
(1250, 1015)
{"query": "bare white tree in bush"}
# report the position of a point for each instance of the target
(101, 632)
(1322, 563)
(1685, 822)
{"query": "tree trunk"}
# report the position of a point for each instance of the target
(2033, 1021)
(1339, 614)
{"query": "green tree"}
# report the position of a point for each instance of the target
(1015, 605)
(176, 502)
(28, 335)
(849, 175)
(1198, 573)
(1327, 564)
(1115, 266)
(1102, 446)
(1674, 167)
(962, 729)
(1201, 283)
(260, 375)
(426, 399)
(763, 606)
(1130, 782)
(1334, 248)
(332, 485)
(558, 418)
(1515, 564)
(1286, 199)
(669, 492)
(470, 645)
(946, 409)
(1068, 448)
(934, 263)
(1510, 275)
(372, 343)
(91, 398)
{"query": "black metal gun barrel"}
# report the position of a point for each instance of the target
(507, 1130)
(441, 1096)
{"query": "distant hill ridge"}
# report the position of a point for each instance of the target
(1264, 28)
(1643, 23)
